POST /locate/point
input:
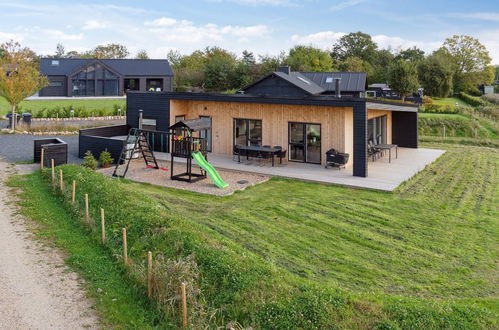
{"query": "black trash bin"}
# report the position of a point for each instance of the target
(9, 116)
(334, 158)
(27, 119)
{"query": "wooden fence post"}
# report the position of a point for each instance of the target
(444, 131)
(42, 156)
(73, 195)
(149, 274)
(103, 226)
(53, 170)
(184, 304)
(125, 252)
(61, 180)
(87, 215)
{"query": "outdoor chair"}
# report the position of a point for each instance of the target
(281, 154)
(372, 151)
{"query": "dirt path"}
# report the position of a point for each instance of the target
(36, 289)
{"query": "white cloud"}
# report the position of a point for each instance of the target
(171, 29)
(480, 16)
(60, 35)
(325, 40)
(322, 39)
(346, 4)
(94, 25)
(6, 36)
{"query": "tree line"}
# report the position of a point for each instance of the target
(461, 64)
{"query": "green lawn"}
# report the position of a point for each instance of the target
(450, 101)
(37, 105)
(291, 254)
(457, 125)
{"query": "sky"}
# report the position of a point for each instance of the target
(261, 26)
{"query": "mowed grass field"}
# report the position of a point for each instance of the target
(435, 237)
(297, 255)
(37, 105)
(450, 101)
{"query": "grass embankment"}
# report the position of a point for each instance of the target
(290, 254)
(450, 101)
(36, 106)
(457, 125)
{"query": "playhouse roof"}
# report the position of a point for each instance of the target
(193, 124)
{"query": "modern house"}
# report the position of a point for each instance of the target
(104, 77)
(306, 114)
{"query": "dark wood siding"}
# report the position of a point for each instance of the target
(55, 90)
(275, 86)
(55, 149)
(155, 105)
(98, 139)
(405, 129)
(360, 140)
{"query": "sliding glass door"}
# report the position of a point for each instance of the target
(247, 132)
(305, 142)
(376, 130)
(206, 133)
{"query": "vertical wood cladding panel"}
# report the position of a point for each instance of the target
(335, 122)
(154, 106)
(405, 129)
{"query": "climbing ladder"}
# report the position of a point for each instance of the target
(140, 143)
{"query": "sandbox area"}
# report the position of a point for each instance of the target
(237, 180)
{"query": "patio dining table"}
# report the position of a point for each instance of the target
(388, 147)
(261, 150)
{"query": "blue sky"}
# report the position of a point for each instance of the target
(261, 26)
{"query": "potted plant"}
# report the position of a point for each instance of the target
(89, 161)
(105, 159)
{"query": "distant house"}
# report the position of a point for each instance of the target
(104, 77)
(286, 82)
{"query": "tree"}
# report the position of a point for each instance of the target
(110, 51)
(19, 75)
(308, 58)
(354, 64)
(471, 59)
(414, 55)
(435, 74)
(142, 55)
(356, 44)
(383, 59)
(59, 52)
(248, 58)
(218, 68)
(403, 77)
(269, 63)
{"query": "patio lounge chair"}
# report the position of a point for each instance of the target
(335, 158)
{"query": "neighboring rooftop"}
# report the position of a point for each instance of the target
(126, 67)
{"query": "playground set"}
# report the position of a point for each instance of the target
(183, 145)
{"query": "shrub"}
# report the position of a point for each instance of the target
(472, 100)
(105, 158)
(89, 161)
(427, 100)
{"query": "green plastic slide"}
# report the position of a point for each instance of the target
(213, 174)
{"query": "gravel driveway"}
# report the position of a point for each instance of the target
(37, 291)
(19, 147)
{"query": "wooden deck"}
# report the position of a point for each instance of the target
(382, 175)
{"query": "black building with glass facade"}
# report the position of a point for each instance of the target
(80, 77)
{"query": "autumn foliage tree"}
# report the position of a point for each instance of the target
(19, 75)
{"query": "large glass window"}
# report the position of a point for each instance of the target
(206, 133)
(95, 80)
(376, 130)
(248, 132)
(305, 142)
